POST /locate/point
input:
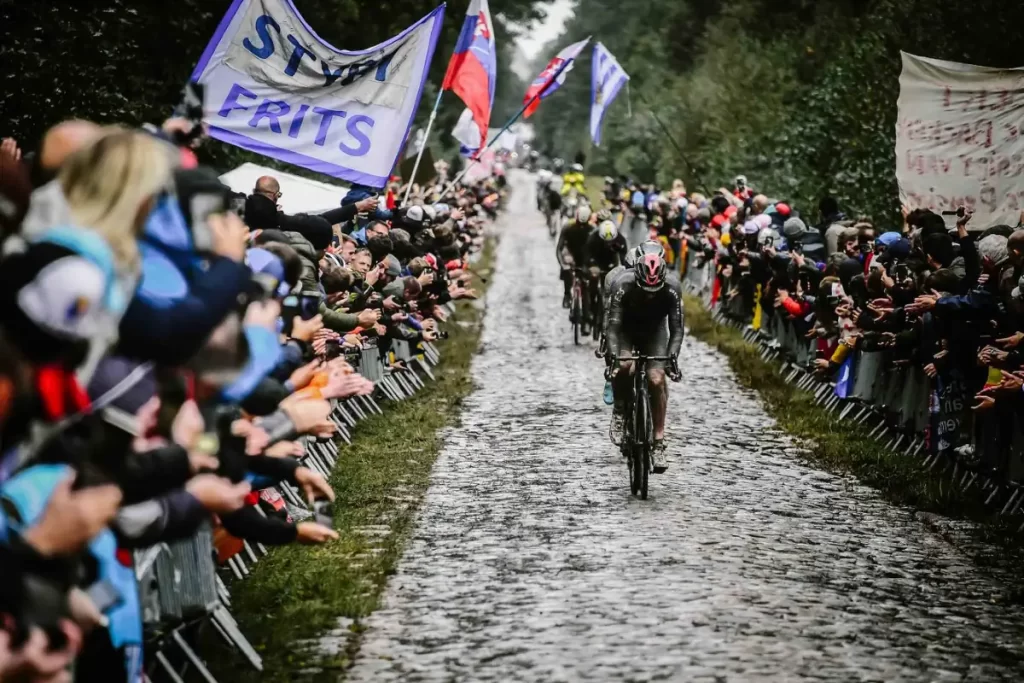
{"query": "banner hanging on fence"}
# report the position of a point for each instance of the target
(606, 80)
(274, 87)
(959, 139)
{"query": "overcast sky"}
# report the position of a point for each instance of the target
(535, 38)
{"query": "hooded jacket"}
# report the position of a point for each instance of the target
(310, 283)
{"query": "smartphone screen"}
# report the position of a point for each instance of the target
(303, 305)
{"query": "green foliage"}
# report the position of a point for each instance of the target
(799, 95)
(125, 61)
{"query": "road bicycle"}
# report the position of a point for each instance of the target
(638, 424)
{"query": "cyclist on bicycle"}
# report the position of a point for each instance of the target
(623, 271)
(605, 247)
(543, 178)
(645, 315)
(574, 180)
(570, 250)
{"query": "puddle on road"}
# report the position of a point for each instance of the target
(531, 562)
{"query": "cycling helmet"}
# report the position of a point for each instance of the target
(648, 247)
(649, 270)
(558, 164)
(608, 180)
(544, 175)
(576, 168)
(607, 230)
(604, 215)
(583, 213)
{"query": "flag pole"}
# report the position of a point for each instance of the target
(426, 138)
(476, 157)
(675, 144)
(526, 105)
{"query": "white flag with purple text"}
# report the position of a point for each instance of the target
(274, 87)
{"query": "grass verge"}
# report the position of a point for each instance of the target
(840, 445)
(298, 592)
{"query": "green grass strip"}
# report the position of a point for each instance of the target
(299, 592)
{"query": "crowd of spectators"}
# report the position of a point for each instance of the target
(164, 345)
(930, 308)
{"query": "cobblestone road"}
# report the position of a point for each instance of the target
(531, 562)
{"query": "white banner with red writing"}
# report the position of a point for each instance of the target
(958, 139)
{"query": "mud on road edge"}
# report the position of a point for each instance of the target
(301, 607)
(845, 447)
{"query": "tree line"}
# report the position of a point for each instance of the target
(798, 95)
(127, 60)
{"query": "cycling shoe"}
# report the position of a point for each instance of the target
(659, 461)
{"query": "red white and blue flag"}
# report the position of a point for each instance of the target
(472, 73)
(552, 77)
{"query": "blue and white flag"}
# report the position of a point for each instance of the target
(844, 382)
(606, 80)
(274, 87)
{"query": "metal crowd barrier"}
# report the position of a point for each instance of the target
(181, 587)
(895, 402)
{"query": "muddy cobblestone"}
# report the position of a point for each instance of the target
(531, 561)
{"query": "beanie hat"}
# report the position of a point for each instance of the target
(261, 213)
(394, 266)
(794, 228)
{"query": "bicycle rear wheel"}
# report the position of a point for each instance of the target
(598, 315)
(577, 314)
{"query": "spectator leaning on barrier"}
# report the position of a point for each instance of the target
(933, 315)
(160, 358)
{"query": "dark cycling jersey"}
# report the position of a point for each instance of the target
(604, 255)
(573, 238)
(634, 317)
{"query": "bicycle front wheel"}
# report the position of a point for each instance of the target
(644, 432)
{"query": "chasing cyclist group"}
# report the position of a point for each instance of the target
(631, 299)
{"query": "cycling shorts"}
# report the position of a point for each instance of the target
(648, 342)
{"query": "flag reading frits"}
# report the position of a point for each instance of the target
(273, 86)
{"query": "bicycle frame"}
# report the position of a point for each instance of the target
(638, 448)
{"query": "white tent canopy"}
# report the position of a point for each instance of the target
(298, 194)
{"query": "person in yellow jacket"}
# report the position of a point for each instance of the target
(573, 180)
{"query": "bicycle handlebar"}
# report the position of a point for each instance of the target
(643, 357)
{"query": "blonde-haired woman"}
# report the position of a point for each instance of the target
(93, 213)
(112, 185)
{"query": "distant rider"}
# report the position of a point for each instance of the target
(570, 250)
(574, 180)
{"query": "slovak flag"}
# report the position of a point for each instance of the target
(473, 71)
(552, 77)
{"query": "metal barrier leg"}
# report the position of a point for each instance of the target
(368, 400)
(192, 657)
(425, 366)
(414, 379)
(357, 410)
(166, 665)
(223, 618)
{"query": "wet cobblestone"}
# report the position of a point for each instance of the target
(531, 561)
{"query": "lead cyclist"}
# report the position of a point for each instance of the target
(645, 315)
